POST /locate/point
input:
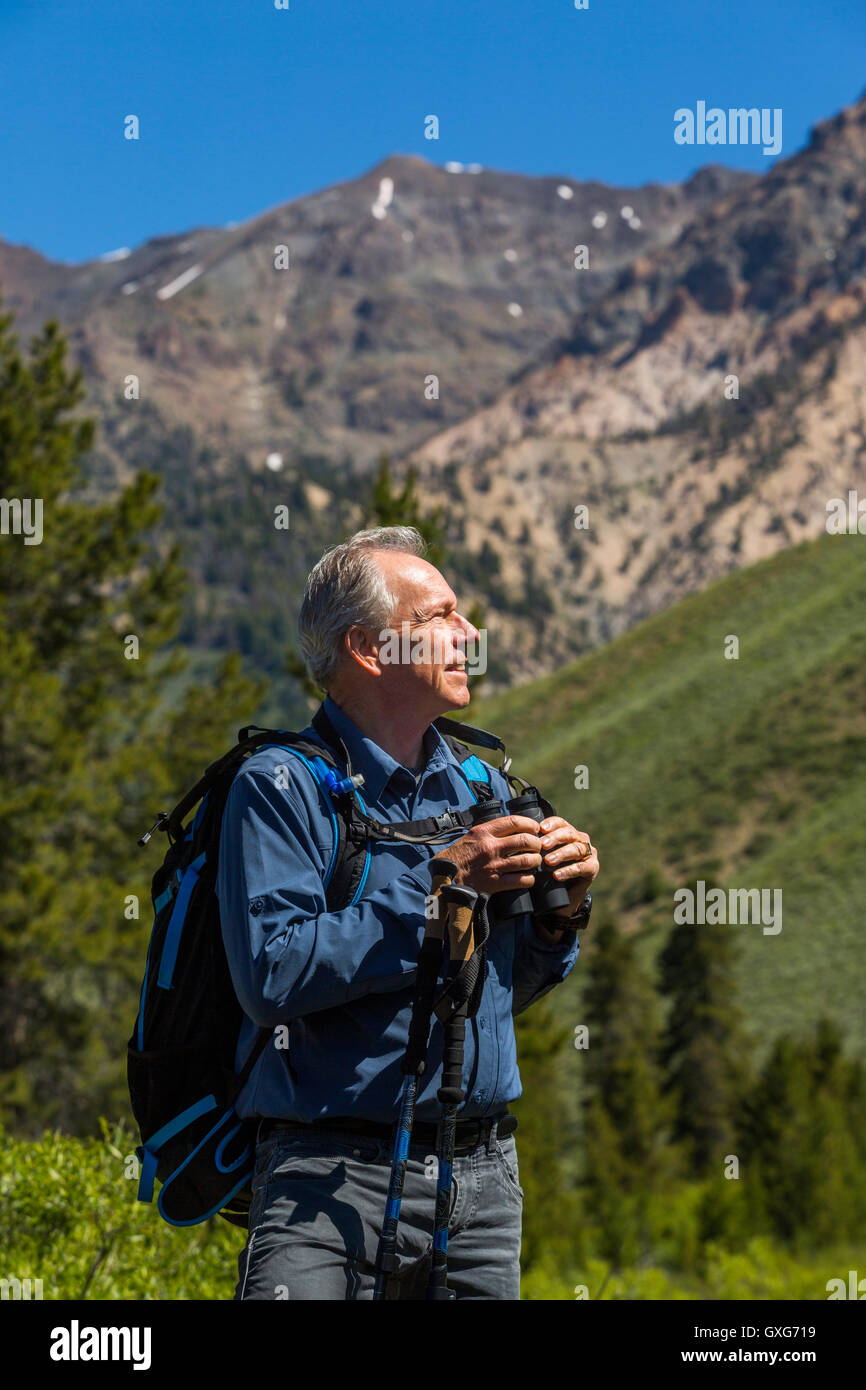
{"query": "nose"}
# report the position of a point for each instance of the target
(470, 633)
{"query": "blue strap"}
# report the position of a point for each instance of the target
(323, 789)
(155, 1142)
(148, 1175)
(175, 926)
(474, 770)
(160, 902)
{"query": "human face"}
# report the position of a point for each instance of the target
(426, 621)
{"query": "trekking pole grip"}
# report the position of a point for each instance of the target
(451, 1090)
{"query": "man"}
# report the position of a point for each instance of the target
(342, 981)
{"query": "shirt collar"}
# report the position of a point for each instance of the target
(378, 766)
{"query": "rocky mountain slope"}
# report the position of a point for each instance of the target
(696, 386)
(408, 271)
(703, 410)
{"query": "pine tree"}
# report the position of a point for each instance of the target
(621, 1071)
(802, 1133)
(629, 1156)
(704, 1050)
(551, 1207)
(91, 741)
(388, 505)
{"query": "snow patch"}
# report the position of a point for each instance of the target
(274, 462)
(454, 166)
(600, 219)
(509, 255)
(565, 192)
(119, 255)
(515, 311)
(180, 282)
(383, 198)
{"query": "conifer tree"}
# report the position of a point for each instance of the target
(91, 743)
(628, 1150)
(705, 1053)
(802, 1132)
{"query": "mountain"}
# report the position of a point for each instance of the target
(704, 410)
(697, 388)
(260, 387)
(409, 270)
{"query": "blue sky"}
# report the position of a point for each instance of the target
(243, 106)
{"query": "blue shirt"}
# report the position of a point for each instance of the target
(342, 982)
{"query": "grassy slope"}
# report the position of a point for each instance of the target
(749, 770)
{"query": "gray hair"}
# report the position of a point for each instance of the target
(347, 587)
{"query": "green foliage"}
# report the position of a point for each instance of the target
(391, 506)
(90, 747)
(703, 1050)
(69, 1216)
(551, 1218)
(692, 756)
(803, 1140)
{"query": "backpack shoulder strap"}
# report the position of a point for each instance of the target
(347, 871)
(476, 773)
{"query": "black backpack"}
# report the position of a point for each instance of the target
(181, 1057)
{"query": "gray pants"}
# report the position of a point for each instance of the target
(317, 1209)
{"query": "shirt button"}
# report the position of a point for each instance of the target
(356, 1153)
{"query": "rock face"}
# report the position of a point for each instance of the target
(704, 410)
(408, 272)
(696, 385)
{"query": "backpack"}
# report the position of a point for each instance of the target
(181, 1056)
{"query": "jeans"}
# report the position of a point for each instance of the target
(317, 1208)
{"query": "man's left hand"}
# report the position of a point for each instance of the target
(573, 858)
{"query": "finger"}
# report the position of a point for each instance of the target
(552, 823)
(560, 836)
(519, 844)
(582, 868)
(516, 863)
(506, 883)
(512, 825)
(573, 849)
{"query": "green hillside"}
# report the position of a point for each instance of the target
(750, 772)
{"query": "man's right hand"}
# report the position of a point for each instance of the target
(498, 855)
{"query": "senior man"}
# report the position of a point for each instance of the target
(342, 981)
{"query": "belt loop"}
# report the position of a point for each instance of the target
(491, 1136)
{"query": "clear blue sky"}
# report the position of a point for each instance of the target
(243, 106)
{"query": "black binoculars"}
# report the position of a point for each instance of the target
(545, 895)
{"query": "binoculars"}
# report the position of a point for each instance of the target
(545, 895)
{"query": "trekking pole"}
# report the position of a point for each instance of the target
(453, 1009)
(414, 1066)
